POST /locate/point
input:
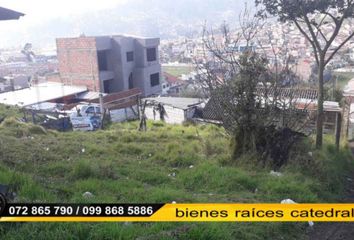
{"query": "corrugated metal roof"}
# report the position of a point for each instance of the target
(43, 92)
(121, 96)
(305, 99)
(89, 95)
(177, 102)
(8, 14)
(305, 93)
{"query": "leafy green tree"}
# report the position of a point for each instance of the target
(321, 22)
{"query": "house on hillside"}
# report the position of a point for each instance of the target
(171, 85)
(110, 64)
(303, 100)
(173, 110)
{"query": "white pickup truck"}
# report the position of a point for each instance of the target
(85, 117)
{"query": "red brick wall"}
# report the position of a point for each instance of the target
(78, 63)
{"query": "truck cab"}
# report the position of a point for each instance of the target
(85, 117)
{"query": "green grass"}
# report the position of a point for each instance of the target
(9, 111)
(177, 71)
(122, 165)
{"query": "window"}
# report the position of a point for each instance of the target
(102, 60)
(90, 110)
(151, 54)
(98, 110)
(93, 110)
(154, 79)
(107, 86)
(131, 83)
(130, 56)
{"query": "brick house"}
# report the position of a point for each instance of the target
(110, 64)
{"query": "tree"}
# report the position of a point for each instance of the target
(247, 96)
(321, 22)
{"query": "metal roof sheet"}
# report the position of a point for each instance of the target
(90, 95)
(43, 92)
(177, 102)
(8, 14)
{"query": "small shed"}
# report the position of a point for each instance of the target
(176, 109)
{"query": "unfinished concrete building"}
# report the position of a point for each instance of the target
(110, 64)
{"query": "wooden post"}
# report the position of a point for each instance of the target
(101, 109)
(126, 114)
(24, 114)
(346, 114)
(338, 129)
(33, 117)
(138, 104)
(142, 126)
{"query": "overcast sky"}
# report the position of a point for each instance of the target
(45, 20)
(39, 10)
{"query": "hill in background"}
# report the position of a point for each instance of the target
(153, 18)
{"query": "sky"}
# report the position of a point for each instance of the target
(39, 11)
(46, 20)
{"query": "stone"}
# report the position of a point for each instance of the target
(87, 195)
(276, 174)
(172, 174)
(290, 201)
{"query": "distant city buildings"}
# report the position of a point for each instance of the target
(110, 64)
(171, 85)
(281, 43)
(17, 71)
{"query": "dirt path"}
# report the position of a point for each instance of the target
(337, 231)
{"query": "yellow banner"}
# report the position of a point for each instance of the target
(222, 213)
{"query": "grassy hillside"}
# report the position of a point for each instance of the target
(177, 70)
(122, 165)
